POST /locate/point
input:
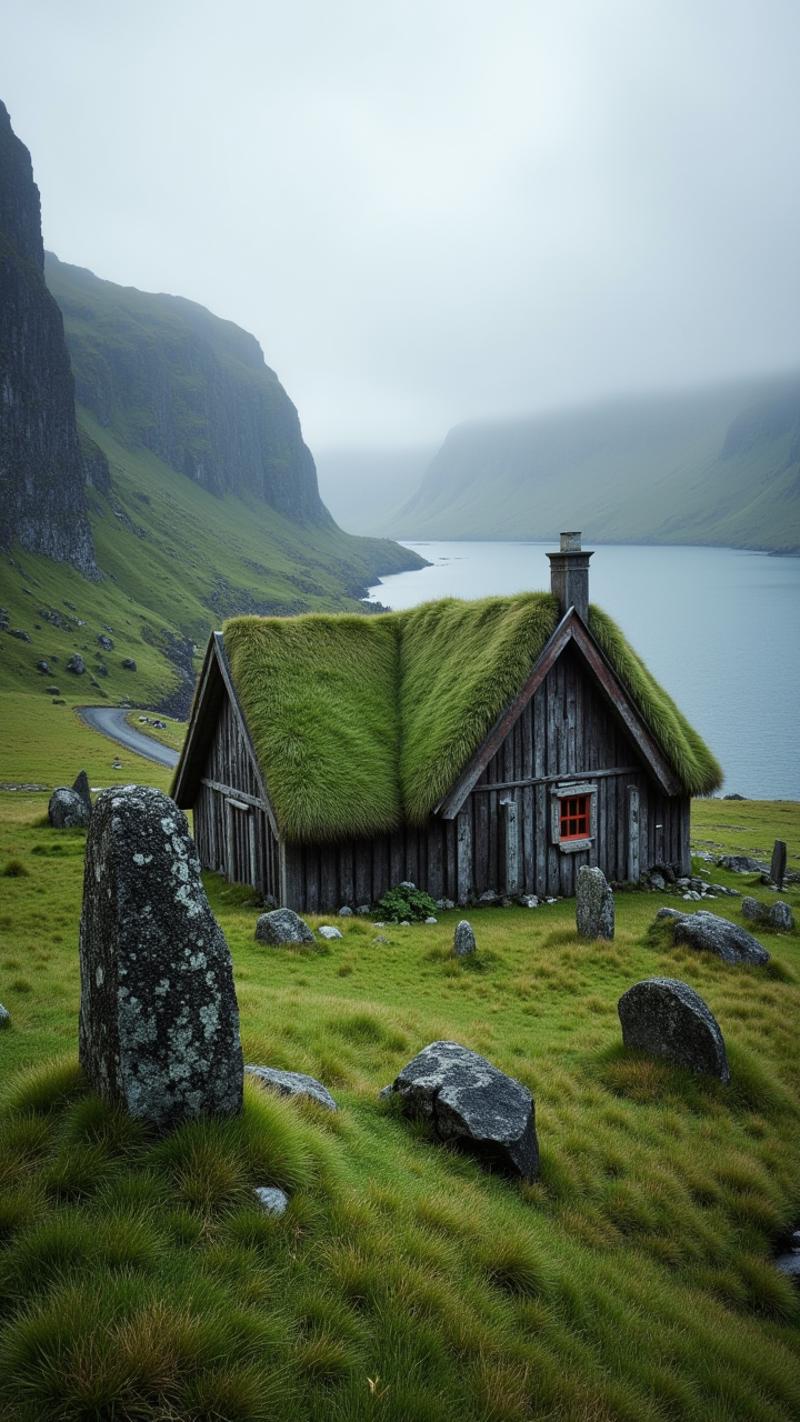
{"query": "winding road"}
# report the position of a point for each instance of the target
(110, 721)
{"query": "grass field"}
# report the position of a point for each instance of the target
(633, 1281)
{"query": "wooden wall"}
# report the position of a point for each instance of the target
(231, 826)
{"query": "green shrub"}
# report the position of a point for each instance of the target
(405, 901)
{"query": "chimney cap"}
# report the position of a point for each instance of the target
(571, 542)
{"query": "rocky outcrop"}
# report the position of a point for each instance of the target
(469, 1102)
(167, 374)
(42, 469)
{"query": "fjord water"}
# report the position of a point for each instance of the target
(718, 627)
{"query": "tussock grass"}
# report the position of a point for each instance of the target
(633, 1280)
(361, 725)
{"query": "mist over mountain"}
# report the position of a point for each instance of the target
(364, 486)
(42, 471)
(718, 465)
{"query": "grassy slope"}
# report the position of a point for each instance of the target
(632, 1282)
(171, 551)
(638, 471)
(429, 684)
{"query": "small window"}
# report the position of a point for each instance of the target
(575, 817)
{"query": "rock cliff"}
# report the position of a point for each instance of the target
(42, 471)
(165, 374)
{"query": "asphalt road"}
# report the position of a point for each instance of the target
(110, 721)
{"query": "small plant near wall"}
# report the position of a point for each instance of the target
(405, 901)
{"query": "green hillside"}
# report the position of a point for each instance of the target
(717, 466)
(178, 560)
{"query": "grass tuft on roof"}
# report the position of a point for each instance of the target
(319, 694)
(362, 724)
(461, 664)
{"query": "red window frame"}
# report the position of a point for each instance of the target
(575, 817)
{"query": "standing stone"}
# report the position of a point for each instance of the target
(464, 939)
(159, 1022)
(282, 926)
(472, 1103)
(668, 1019)
(777, 868)
(81, 788)
(67, 810)
(594, 907)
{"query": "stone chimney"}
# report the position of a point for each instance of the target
(569, 575)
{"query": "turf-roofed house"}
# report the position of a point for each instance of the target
(469, 747)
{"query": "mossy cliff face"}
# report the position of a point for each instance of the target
(167, 375)
(42, 482)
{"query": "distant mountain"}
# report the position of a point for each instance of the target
(166, 375)
(178, 491)
(364, 487)
(42, 470)
(717, 466)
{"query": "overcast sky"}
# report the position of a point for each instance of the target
(432, 210)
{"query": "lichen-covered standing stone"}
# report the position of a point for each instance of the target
(668, 1019)
(471, 1102)
(159, 1022)
(67, 810)
(464, 939)
(594, 905)
(282, 925)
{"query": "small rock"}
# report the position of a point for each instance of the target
(406, 884)
(444, 905)
(53, 690)
(431, 919)
(272, 1200)
(658, 882)
(76, 664)
(67, 810)
(780, 917)
(668, 1019)
(789, 1264)
(129, 664)
(669, 913)
(464, 939)
(363, 910)
(741, 864)
(20, 635)
(345, 912)
(328, 931)
(43, 666)
(5, 1017)
(470, 1102)
(488, 899)
(105, 642)
(293, 1083)
(282, 925)
(528, 901)
(379, 938)
(594, 906)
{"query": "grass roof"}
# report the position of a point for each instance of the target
(363, 723)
